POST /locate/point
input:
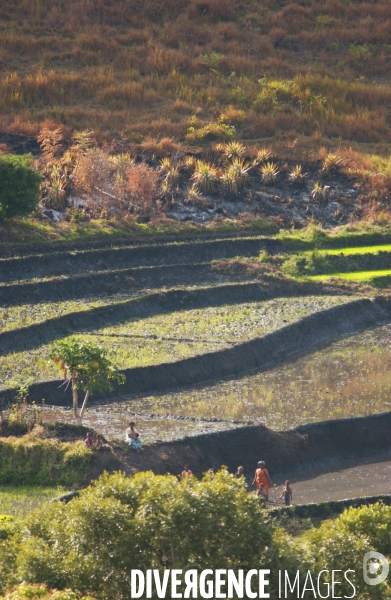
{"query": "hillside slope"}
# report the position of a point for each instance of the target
(159, 67)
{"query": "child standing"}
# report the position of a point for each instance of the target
(287, 495)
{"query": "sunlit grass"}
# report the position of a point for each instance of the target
(18, 501)
(356, 250)
(173, 336)
(14, 317)
(355, 276)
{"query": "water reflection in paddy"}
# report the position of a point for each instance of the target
(350, 378)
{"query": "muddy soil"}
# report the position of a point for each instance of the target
(32, 336)
(287, 343)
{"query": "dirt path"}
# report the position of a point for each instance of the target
(348, 479)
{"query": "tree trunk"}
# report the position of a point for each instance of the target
(75, 395)
(84, 404)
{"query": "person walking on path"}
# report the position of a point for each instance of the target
(240, 473)
(133, 438)
(262, 476)
(287, 494)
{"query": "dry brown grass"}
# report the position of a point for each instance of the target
(144, 68)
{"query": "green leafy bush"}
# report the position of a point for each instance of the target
(146, 521)
(158, 522)
(27, 591)
(7, 526)
(210, 133)
(373, 522)
(32, 461)
(19, 186)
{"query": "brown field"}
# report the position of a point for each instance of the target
(155, 68)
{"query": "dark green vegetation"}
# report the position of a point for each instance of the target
(19, 186)
(122, 523)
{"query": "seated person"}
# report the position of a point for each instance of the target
(133, 438)
(89, 442)
(101, 445)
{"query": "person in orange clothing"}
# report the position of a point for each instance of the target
(262, 477)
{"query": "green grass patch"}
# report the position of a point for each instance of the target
(28, 231)
(369, 276)
(365, 233)
(18, 501)
(357, 250)
(33, 461)
(174, 336)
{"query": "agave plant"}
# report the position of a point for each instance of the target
(190, 163)
(296, 176)
(269, 173)
(166, 164)
(193, 196)
(319, 191)
(83, 140)
(331, 162)
(173, 174)
(263, 155)
(236, 177)
(121, 160)
(205, 177)
(55, 191)
(233, 150)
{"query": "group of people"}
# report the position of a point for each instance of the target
(261, 482)
(98, 444)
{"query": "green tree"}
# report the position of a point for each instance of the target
(27, 591)
(19, 186)
(147, 521)
(88, 367)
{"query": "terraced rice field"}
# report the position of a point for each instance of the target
(178, 308)
(170, 337)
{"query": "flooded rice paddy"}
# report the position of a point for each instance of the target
(350, 378)
(173, 336)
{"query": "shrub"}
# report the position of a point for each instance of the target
(269, 173)
(342, 543)
(27, 591)
(373, 522)
(123, 523)
(19, 186)
(233, 150)
(319, 191)
(205, 177)
(31, 461)
(236, 177)
(210, 133)
(7, 526)
(331, 162)
(296, 176)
